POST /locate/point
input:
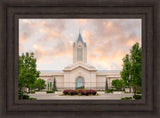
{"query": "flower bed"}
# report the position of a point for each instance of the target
(80, 92)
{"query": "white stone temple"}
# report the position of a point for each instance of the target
(79, 74)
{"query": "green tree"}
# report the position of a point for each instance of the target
(131, 72)
(136, 56)
(118, 84)
(40, 84)
(27, 71)
(126, 72)
(54, 84)
(106, 85)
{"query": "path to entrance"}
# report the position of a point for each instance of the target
(106, 96)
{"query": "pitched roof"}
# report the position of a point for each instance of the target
(81, 40)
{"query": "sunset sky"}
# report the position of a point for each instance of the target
(51, 40)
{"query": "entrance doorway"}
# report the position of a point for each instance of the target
(79, 83)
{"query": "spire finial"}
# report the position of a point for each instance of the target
(79, 30)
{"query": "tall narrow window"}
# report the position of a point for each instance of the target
(79, 53)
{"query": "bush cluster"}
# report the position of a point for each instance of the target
(32, 92)
(138, 92)
(137, 97)
(49, 91)
(126, 98)
(110, 90)
(26, 97)
(80, 92)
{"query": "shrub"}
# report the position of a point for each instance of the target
(24, 96)
(137, 97)
(79, 94)
(49, 91)
(90, 91)
(106, 91)
(126, 98)
(86, 92)
(76, 92)
(65, 92)
(111, 90)
(138, 92)
(32, 92)
(93, 92)
(33, 98)
(80, 91)
(71, 92)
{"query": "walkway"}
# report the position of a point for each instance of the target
(52, 96)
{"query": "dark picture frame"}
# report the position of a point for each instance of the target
(12, 11)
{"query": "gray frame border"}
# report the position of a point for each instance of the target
(10, 47)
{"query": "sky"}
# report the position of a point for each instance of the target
(51, 40)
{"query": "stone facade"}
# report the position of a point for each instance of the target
(80, 74)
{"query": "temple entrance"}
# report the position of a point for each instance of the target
(79, 83)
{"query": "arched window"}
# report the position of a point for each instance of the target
(79, 83)
(79, 53)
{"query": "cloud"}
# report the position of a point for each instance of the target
(82, 21)
(108, 40)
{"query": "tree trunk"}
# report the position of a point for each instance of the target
(134, 90)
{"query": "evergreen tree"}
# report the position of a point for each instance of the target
(106, 85)
(54, 84)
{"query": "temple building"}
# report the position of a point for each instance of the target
(79, 74)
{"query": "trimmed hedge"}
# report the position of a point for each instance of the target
(111, 90)
(126, 98)
(33, 98)
(80, 92)
(137, 97)
(49, 91)
(26, 97)
(32, 92)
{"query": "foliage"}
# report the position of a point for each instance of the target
(126, 98)
(65, 92)
(54, 85)
(131, 73)
(33, 98)
(118, 84)
(126, 72)
(80, 92)
(71, 92)
(27, 71)
(111, 90)
(49, 91)
(32, 92)
(106, 85)
(40, 84)
(137, 97)
(24, 96)
(136, 67)
(139, 92)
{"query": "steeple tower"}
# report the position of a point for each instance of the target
(79, 50)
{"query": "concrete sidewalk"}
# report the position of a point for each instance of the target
(53, 96)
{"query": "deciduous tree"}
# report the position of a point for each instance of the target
(27, 71)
